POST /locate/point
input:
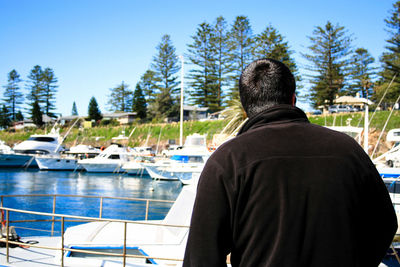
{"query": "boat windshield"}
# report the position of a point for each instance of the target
(195, 141)
(42, 139)
(186, 159)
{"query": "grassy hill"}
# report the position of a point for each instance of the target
(99, 136)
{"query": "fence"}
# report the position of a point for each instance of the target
(62, 218)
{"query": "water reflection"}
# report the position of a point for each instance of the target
(80, 183)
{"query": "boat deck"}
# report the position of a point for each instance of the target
(30, 256)
(35, 257)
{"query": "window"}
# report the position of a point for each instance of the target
(114, 156)
(42, 139)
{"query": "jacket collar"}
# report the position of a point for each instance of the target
(279, 113)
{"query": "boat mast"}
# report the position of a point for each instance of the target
(181, 113)
(366, 128)
(65, 136)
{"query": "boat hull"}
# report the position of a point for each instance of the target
(102, 167)
(134, 168)
(16, 160)
(389, 172)
(183, 172)
(158, 173)
(57, 164)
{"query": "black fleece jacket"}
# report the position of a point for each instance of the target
(286, 192)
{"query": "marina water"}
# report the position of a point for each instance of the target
(33, 181)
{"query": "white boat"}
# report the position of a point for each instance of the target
(175, 170)
(145, 243)
(183, 162)
(388, 164)
(195, 145)
(135, 165)
(143, 151)
(156, 239)
(109, 160)
(13, 160)
(193, 179)
(4, 148)
(56, 163)
(22, 154)
(41, 144)
(82, 151)
(67, 161)
(387, 172)
(9, 159)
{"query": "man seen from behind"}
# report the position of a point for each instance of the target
(285, 192)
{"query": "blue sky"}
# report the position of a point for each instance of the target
(93, 46)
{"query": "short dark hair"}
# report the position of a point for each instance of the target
(265, 83)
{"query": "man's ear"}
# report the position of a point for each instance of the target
(294, 99)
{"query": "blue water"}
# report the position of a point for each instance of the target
(27, 182)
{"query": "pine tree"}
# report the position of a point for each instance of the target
(74, 111)
(391, 58)
(35, 86)
(5, 117)
(139, 103)
(330, 50)
(148, 82)
(362, 73)
(202, 54)
(94, 111)
(223, 63)
(240, 42)
(165, 67)
(270, 44)
(19, 116)
(37, 115)
(120, 98)
(49, 91)
(12, 95)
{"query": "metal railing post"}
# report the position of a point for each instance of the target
(147, 209)
(101, 208)
(124, 249)
(54, 211)
(7, 236)
(62, 241)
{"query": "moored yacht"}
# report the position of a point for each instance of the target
(39, 144)
(135, 165)
(183, 162)
(56, 162)
(109, 160)
(67, 161)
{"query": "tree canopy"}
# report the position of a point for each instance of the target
(13, 98)
(94, 111)
(329, 55)
(120, 98)
(165, 66)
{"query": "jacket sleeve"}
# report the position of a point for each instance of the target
(209, 238)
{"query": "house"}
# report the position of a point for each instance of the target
(20, 125)
(68, 119)
(28, 123)
(194, 113)
(216, 116)
(121, 117)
